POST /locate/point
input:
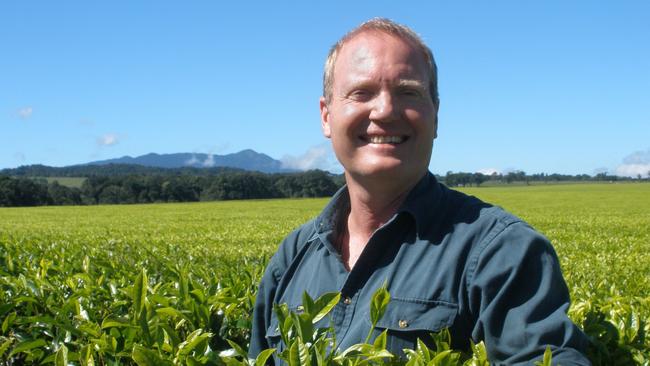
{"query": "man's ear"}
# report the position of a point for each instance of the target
(435, 127)
(325, 118)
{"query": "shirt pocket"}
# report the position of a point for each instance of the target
(409, 319)
(273, 336)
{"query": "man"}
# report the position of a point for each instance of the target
(448, 260)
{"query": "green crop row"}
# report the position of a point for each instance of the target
(175, 283)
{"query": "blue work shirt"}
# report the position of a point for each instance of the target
(449, 261)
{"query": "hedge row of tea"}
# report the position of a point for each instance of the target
(175, 283)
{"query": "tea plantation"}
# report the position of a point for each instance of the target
(175, 283)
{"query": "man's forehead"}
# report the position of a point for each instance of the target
(365, 36)
(362, 48)
(365, 50)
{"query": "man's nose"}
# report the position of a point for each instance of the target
(384, 108)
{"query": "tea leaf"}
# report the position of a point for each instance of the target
(27, 345)
(140, 293)
(146, 357)
(378, 304)
(61, 358)
(324, 304)
(263, 356)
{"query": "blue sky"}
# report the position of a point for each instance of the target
(553, 86)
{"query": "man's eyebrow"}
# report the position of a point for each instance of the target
(411, 83)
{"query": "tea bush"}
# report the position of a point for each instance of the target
(175, 283)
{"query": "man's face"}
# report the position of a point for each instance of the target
(380, 117)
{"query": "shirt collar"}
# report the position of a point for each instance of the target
(339, 203)
(422, 203)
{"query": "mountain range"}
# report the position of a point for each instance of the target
(246, 159)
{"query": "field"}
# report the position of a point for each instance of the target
(72, 182)
(149, 284)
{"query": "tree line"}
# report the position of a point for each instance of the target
(123, 183)
(119, 189)
(462, 179)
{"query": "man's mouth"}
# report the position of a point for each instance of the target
(386, 139)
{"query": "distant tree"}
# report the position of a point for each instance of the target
(22, 192)
(317, 183)
(176, 189)
(450, 179)
(92, 187)
(478, 178)
(62, 195)
(7, 191)
(113, 194)
(516, 176)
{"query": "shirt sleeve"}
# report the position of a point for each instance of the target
(263, 308)
(519, 300)
(275, 270)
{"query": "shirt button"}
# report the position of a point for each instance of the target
(347, 300)
(403, 323)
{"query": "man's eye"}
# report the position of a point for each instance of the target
(360, 94)
(408, 92)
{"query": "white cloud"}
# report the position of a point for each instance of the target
(638, 157)
(635, 164)
(192, 161)
(209, 161)
(489, 171)
(316, 157)
(25, 112)
(108, 139)
(633, 170)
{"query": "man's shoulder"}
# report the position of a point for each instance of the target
(441, 212)
(464, 208)
(482, 225)
(301, 235)
(294, 242)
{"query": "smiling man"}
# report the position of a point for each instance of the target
(447, 259)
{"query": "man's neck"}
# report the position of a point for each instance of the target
(369, 211)
(371, 206)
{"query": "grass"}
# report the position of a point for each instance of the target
(71, 182)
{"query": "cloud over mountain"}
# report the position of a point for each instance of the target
(319, 156)
(108, 139)
(635, 164)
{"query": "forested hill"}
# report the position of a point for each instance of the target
(166, 164)
(246, 159)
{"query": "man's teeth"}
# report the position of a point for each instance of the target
(386, 139)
